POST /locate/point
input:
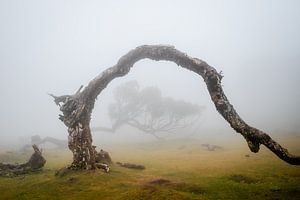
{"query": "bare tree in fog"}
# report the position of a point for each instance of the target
(77, 108)
(37, 140)
(147, 110)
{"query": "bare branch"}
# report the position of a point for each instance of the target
(59, 99)
(78, 91)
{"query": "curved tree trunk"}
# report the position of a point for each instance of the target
(77, 108)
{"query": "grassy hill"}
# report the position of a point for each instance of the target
(174, 170)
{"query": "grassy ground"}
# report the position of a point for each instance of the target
(174, 170)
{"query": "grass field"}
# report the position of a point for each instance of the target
(174, 170)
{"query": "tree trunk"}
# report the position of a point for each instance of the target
(77, 108)
(80, 143)
(76, 116)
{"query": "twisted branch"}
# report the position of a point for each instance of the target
(212, 78)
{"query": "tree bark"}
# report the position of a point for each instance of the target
(77, 108)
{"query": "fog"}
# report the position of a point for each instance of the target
(56, 46)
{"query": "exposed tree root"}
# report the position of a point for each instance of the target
(35, 163)
(131, 166)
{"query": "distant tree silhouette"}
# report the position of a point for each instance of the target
(147, 110)
(37, 140)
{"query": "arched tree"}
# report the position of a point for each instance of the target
(148, 111)
(77, 108)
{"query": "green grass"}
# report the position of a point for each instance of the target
(174, 170)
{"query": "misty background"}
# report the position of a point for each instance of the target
(56, 46)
